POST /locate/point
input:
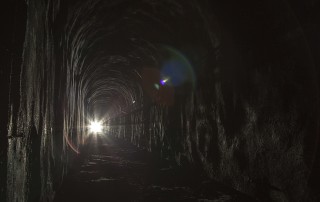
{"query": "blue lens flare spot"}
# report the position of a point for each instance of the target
(177, 72)
(177, 68)
(163, 81)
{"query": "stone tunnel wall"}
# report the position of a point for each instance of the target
(36, 155)
(254, 147)
(251, 121)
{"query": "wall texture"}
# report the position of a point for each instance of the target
(229, 88)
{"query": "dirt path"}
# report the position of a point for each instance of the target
(113, 170)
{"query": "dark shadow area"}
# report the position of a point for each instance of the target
(201, 100)
(111, 169)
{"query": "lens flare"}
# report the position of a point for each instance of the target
(163, 81)
(176, 69)
(95, 127)
(156, 86)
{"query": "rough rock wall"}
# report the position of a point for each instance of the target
(31, 155)
(13, 19)
(251, 122)
(247, 116)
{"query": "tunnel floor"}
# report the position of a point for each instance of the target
(110, 169)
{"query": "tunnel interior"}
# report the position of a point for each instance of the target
(228, 89)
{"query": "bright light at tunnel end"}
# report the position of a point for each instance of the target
(95, 127)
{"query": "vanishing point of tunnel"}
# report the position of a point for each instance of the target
(159, 100)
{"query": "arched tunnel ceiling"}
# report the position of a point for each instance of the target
(230, 87)
(108, 45)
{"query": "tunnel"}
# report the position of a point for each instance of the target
(159, 100)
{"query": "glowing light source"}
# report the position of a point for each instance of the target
(95, 127)
(163, 81)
